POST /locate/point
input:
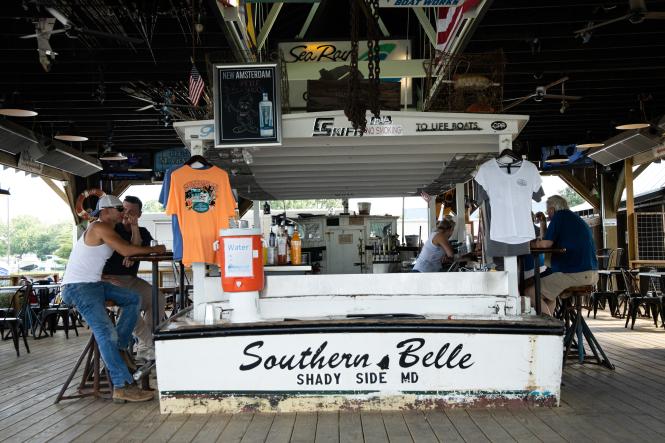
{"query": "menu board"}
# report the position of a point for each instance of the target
(247, 105)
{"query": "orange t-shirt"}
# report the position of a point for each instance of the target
(203, 201)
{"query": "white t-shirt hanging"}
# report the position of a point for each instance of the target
(510, 199)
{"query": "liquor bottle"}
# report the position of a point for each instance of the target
(281, 247)
(272, 248)
(296, 248)
(266, 126)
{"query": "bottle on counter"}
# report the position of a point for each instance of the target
(272, 247)
(296, 248)
(281, 247)
(264, 251)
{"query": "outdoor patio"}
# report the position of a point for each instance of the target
(597, 405)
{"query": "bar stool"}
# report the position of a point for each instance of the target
(95, 380)
(577, 329)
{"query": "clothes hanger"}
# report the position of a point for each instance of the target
(198, 162)
(508, 158)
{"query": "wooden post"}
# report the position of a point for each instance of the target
(608, 211)
(630, 210)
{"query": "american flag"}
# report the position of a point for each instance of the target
(196, 86)
(448, 23)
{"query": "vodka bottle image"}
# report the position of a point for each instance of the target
(266, 126)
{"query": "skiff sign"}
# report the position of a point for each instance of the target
(356, 362)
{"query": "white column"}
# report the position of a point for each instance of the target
(510, 266)
(257, 214)
(431, 219)
(461, 220)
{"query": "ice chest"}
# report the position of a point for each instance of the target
(240, 260)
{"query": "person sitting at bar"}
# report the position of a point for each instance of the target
(122, 271)
(82, 287)
(578, 266)
(436, 248)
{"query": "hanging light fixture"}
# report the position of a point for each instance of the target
(590, 145)
(637, 119)
(589, 142)
(71, 134)
(556, 158)
(110, 155)
(15, 107)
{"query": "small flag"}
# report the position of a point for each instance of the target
(196, 86)
(425, 196)
(448, 23)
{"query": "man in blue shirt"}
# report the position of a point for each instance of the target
(578, 266)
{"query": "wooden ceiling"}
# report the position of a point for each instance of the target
(92, 78)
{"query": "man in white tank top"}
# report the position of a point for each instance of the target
(82, 287)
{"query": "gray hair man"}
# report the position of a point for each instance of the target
(578, 266)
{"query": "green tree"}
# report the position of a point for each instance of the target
(572, 197)
(152, 206)
(29, 235)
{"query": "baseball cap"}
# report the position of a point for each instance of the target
(107, 201)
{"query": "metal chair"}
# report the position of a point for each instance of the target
(652, 303)
(10, 318)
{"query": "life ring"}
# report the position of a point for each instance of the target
(80, 210)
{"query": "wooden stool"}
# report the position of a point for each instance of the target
(95, 380)
(577, 328)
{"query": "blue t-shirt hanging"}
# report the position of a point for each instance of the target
(568, 230)
(175, 227)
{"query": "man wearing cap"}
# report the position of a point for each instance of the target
(122, 271)
(82, 287)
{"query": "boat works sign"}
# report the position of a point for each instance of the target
(419, 3)
(353, 362)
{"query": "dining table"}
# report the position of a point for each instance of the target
(535, 251)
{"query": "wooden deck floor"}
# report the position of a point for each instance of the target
(597, 405)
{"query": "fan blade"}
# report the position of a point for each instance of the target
(145, 108)
(58, 16)
(605, 23)
(180, 106)
(111, 36)
(558, 82)
(57, 31)
(518, 98)
(516, 103)
(562, 97)
(655, 15)
(143, 99)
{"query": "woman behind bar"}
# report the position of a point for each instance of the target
(436, 248)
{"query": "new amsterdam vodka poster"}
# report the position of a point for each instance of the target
(247, 106)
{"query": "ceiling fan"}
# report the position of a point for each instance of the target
(541, 93)
(73, 31)
(159, 105)
(636, 14)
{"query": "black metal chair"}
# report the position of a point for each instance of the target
(53, 309)
(650, 302)
(10, 318)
